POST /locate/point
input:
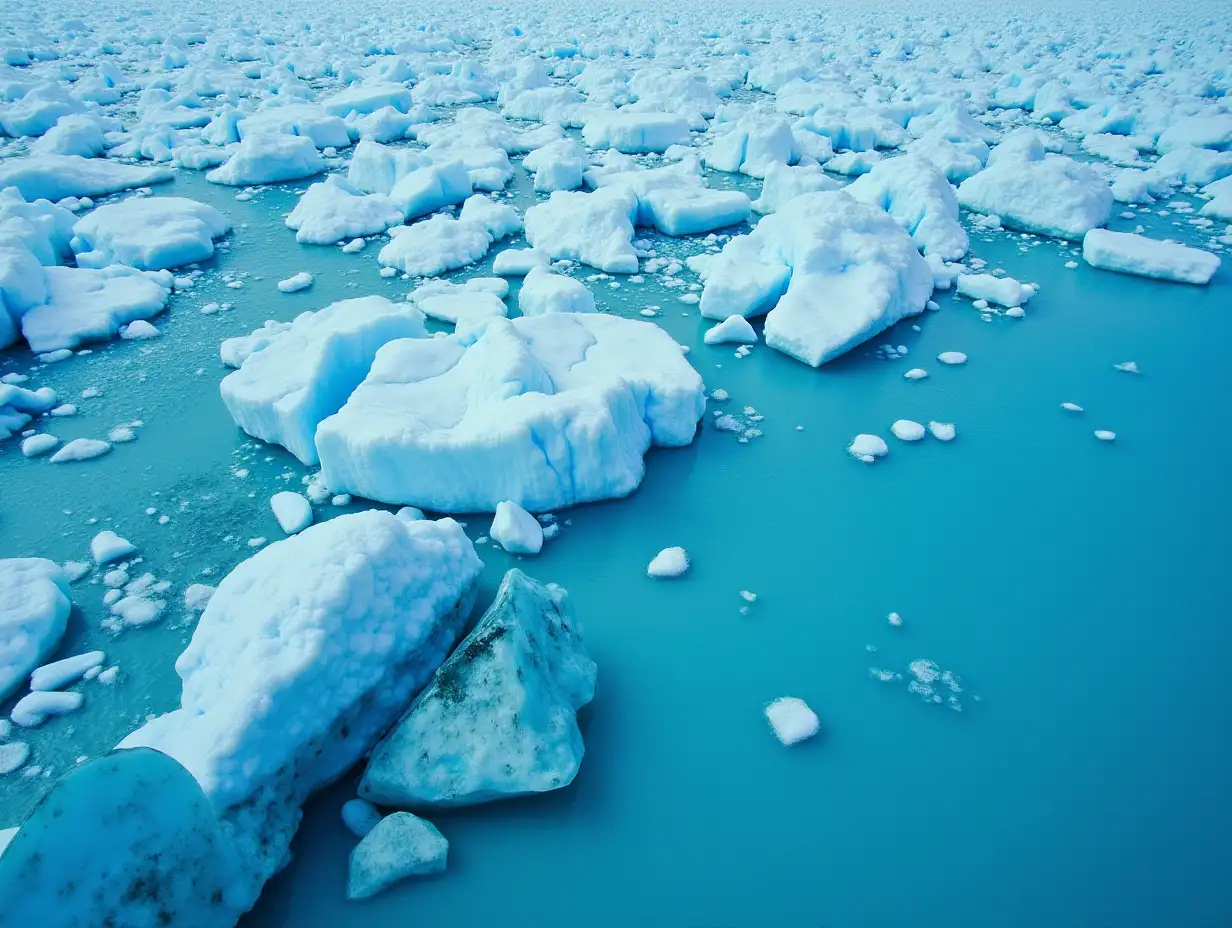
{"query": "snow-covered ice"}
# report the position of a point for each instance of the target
(34, 609)
(292, 510)
(826, 270)
(306, 653)
(792, 720)
(514, 686)
(269, 158)
(148, 233)
(544, 292)
(280, 393)
(546, 411)
(734, 328)
(107, 547)
(295, 283)
(1004, 291)
(907, 430)
(80, 449)
(1146, 257)
(868, 448)
(33, 709)
(516, 530)
(670, 562)
(593, 228)
(63, 672)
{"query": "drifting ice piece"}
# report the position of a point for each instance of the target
(1049, 195)
(305, 654)
(148, 233)
(594, 228)
(400, 845)
(635, 132)
(1148, 257)
(269, 159)
(499, 717)
(516, 530)
(34, 608)
(547, 411)
(306, 373)
(827, 270)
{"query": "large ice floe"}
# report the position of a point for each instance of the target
(306, 372)
(1035, 191)
(499, 717)
(545, 411)
(827, 271)
(306, 654)
(148, 233)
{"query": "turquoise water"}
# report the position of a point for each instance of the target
(1076, 588)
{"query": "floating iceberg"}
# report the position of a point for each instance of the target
(635, 132)
(827, 271)
(594, 228)
(148, 233)
(1148, 257)
(499, 717)
(306, 653)
(306, 372)
(1050, 195)
(547, 411)
(333, 210)
(87, 304)
(34, 608)
(54, 177)
(269, 158)
(920, 199)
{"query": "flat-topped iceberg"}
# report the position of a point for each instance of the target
(55, 177)
(88, 304)
(826, 270)
(269, 158)
(546, 411)
(307, 371)
(305, 655)
(148, 233)
(1148, 257)
(499, 718)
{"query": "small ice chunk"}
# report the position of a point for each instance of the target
(1105, 435)
(867, 448)
(107, 546)
(138, 610)
(400, 845)
(907, 430)
(895, 619)
(1129, 367)
(61, 673)
(293, 511)
(121, 434)
(81, 449)
(670, 562)
(296, 282)
(952, 357)
(13, 756)
(942, 431)
(360, 816)
(109, 676)
(37, 445)
(1071, 407)
(916, 373)
(197, 597)
(791, 719)
(516, 530)
(1016, 312)
(33, 709)
(734, 328)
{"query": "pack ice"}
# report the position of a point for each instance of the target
(545, 411)
(305, 655)
(499, 717)
(827, 271)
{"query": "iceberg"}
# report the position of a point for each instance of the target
(87, 304)
(546, 411)
(920, 199)
(693, 210)
(269, 158)
(1049, 195)
(782, 184)
(434, 246)
(333, 210)
(499, 718)
(34, 608)
(306, 372)
(516, 530)
(55, 177)
(148, 233)
(545, 292)
(827, 271)
(305, 655)
(635, 132)
(1148, 257)
(593, 228)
